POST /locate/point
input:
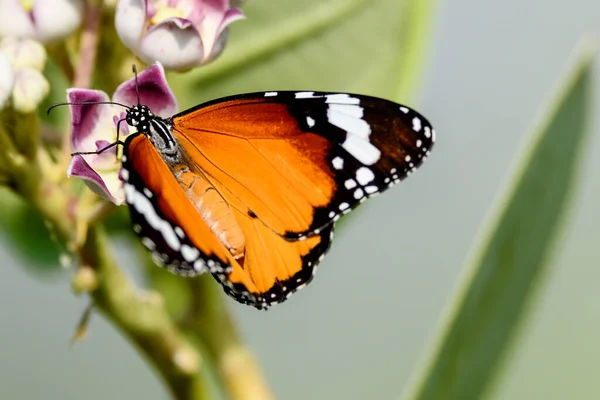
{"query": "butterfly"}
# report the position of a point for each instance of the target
(248, 187)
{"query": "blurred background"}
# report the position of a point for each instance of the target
(361, 327)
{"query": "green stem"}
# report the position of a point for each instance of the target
(88, 46)
(202, 309)
(144, 320)
(210, 321)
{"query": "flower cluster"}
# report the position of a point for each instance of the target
(180, 34)
(171, 34)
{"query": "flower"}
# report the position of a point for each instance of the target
(43, 20)
(180, 34)
(94, 127)
(27, 59)
(7, 79)
(31, 87)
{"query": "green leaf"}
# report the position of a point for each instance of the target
(29, 236)
(375, 47)
(513, 251)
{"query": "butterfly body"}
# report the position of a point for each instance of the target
(248, 187)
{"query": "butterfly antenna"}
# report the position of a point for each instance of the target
(137, 87)
(83, 103)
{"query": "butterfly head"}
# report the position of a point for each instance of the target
(155, 128)
(139, 117)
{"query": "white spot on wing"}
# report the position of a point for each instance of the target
(310, 122)
(338, 163)
(350, 184)
(270, 94)
(427, 132)
(361, 149)
(144, 207)
(358, 194)
(148, 243)
(305, 95)
(199, 265)
(371, 189)
(351, 110)
(342, 98)
(343, 206)
(364, 175)
(416, 124)
(349, 118)
(189, 253)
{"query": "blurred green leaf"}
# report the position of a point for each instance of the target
(29, 237)
(375, 47)
(512, 253)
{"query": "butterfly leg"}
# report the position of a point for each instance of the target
(97, 152)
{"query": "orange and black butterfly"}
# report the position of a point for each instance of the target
(249, 187)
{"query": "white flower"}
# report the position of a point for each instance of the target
(43, 20)
(31, 87)
(7, 79)
(24, 53)
(28, 86)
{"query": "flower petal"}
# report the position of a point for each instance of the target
(56, 19)
(7, 79)
(14, 20)
(231, 15)
(154, 92)
(30, 89)
(24, 53)
(85, 118)
(130, 19)
(213, 26)
(175, 48)
(93, 128)
(108, 186)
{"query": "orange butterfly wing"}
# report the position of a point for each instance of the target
(262, 158)
(166, 216)
(298, 160)
(169, 223)
(263, 176)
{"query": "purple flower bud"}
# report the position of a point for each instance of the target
(180, 34)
